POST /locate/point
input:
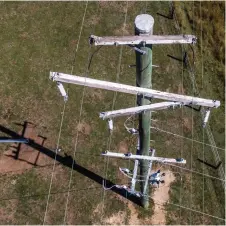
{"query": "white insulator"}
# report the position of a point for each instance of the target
(125, 170)
(62, 91)
(110, 124)
(207, 115)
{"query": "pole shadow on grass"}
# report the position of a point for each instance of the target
(18, 148)
(69, 162)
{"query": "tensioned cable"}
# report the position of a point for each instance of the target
(193, 171)
(113, 103)
(206, 175)
(62, 123)
(51, 180)
(192, 128)
(182, 132)
(193, 140)
(52, 193)
(193, 210)
(203, 131)
(184, 207)
(208, 129)
(80, 114)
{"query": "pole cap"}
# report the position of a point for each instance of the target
(144, 24)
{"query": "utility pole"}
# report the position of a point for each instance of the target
(144, 26)
(142, 43)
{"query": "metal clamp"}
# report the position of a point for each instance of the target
(137, 49)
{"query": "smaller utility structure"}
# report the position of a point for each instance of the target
(11, 140)
(142, 43)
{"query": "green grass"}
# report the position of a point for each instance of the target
(38, 37)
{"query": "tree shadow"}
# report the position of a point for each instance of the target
(69, 162)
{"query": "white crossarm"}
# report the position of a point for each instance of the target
(139, 109)
(136, 40)
(188, 100)
(144, 157)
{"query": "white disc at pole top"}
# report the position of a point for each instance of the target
(144, 23)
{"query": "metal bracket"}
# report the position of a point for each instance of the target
(137, 49)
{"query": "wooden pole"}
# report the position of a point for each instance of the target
(143, 27)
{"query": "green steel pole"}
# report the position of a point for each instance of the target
(144, 26)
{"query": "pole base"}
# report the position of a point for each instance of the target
(145, 202)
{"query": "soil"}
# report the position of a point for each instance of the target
(123, 147)
(7, 213)
(84, 128)
(160, 196)
(181, 89)
(116, 219)
(27, 156)
(187, 123)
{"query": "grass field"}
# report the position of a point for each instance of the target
(39, 37)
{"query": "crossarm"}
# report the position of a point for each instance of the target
(136, 40)
(188, 100)
(144, 157)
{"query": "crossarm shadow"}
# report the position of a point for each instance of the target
(69, 162)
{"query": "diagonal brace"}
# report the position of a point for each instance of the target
(139, 109)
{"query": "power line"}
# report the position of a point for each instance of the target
(52, 193)
(192, 144)
(51, 180)
(80, 114)
(193, 171)
(206, 175)
(113, 103)
(203, 198)
(193, 210)
(187, 138)
(191, 72)
(62, 123)
(208, 129)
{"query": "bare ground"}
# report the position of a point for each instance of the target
(160, 197)
(27, 156)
